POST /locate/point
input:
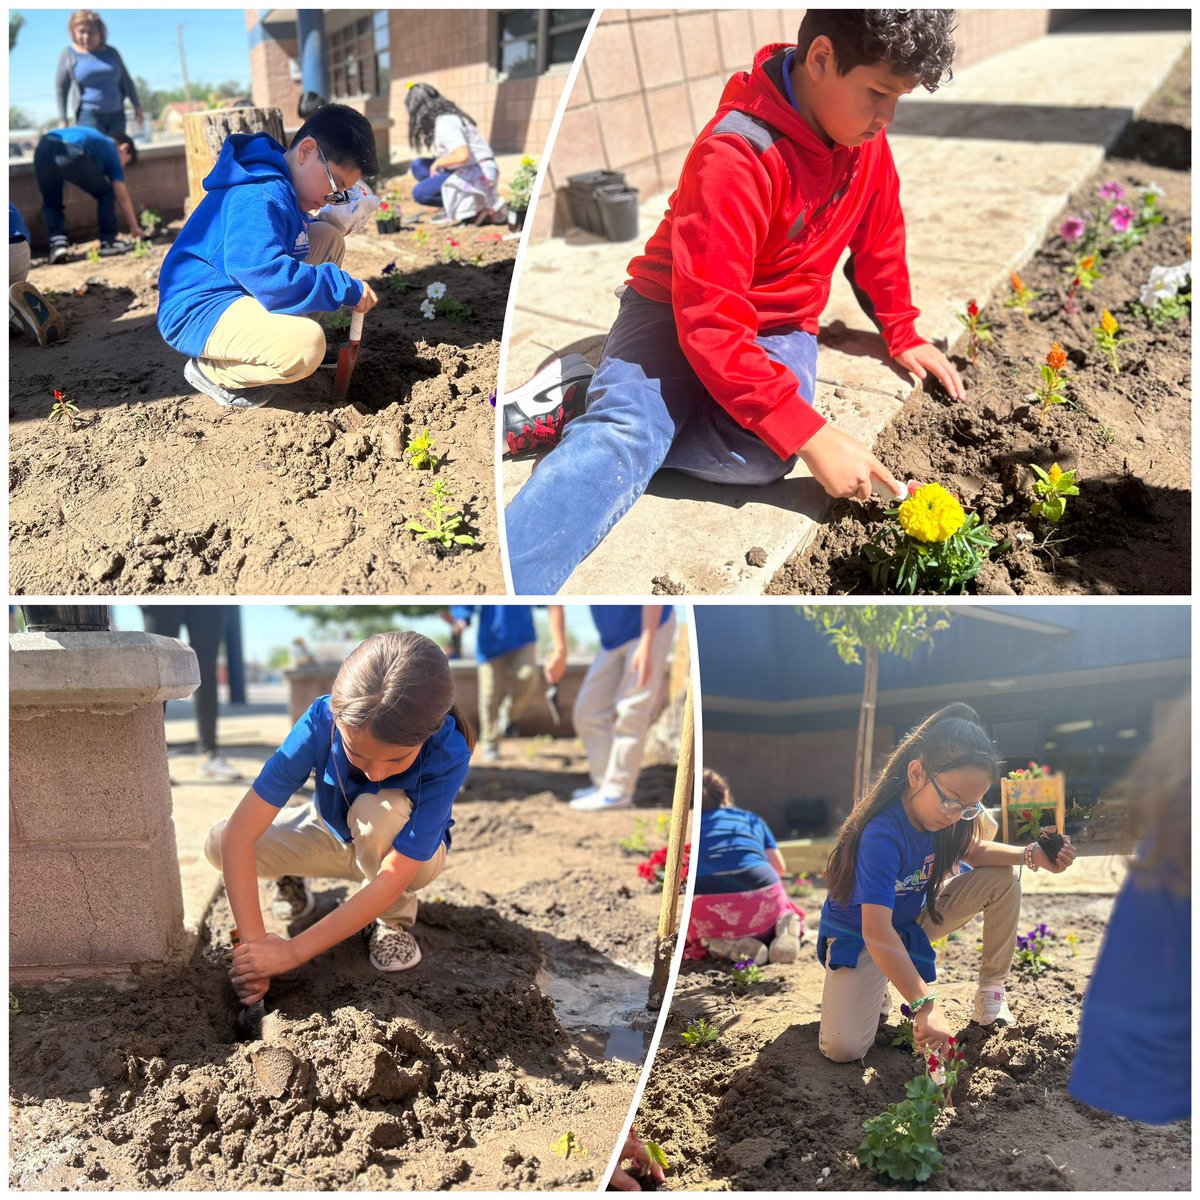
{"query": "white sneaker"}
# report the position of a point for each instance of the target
(596, 800)
(195, 375)
(490, 754)
(991, 1005)
(536, 413)
(577, 793)
(217, 766)
(885, 1008)
(393, 949)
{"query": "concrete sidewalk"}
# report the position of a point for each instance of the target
(986, 173)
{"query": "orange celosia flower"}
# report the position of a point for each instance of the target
(1086, 264)
(1057, 358)
(1108, 322)
(1015, 280)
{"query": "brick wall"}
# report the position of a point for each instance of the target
(651, 80)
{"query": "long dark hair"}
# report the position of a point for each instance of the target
(952, 737)
(397, 686)
(425, 104)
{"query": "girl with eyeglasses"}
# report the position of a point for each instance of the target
(896, 880)
(389, 751)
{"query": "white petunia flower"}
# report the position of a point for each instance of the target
(435, 291)
(1151, 189)
(427, 309)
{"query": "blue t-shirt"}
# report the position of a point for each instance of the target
(432, 782)
(98, 75)
(501, 627)
(732, 839)
(1135, 1034)
(620, 623)
(99, 145)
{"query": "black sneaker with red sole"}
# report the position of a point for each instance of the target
(537, 412)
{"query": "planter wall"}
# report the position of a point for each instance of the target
(1016, 794)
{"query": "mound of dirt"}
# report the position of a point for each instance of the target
(158, 490)
(1127, 434)
(762, 1109)
(458, 1073)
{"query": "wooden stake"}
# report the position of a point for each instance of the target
(681, 808)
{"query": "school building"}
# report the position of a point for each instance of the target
(505, 67)
(1081, 687)
(651, 80)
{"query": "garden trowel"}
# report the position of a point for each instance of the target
(247, 1024)
(347, 357)
(879, 488)
(552, 703)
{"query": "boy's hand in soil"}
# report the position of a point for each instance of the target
(635, 1151)
(254, 963)
(920, 360)
(844, 467)
(369, 299)
(929, 1033)
(1064, 858)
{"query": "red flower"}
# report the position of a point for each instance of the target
(454, 243)
(384, 206)
(1026, 814)
(57, 394)
(950, 1041)
(972, 309)
(646, 871)
(933, 1062)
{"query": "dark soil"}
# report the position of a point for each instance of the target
(763, 1110)
(158, 490)
(458, 1073)
(1128, 435)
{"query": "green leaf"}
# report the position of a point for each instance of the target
(657, 1155)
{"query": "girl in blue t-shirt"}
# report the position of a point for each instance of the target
(390, 751)
(895, 877)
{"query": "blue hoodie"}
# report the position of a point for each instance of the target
(247, 237)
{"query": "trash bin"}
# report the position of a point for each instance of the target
(582, 197)
(619, 213)
(67, 618)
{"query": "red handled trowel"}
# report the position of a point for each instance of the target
(347, 357)
(247, 1024)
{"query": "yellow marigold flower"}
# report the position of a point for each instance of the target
(1057, 358)
(1016, 281)
(931, 514)
(1055, 473)
(1108, 322)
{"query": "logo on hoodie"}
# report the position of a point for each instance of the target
(301, 247)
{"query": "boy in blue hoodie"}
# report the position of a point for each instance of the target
(250, 263)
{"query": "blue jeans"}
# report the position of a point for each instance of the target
(429, 188)
(646, 409)
(56, 163)
(106, 122)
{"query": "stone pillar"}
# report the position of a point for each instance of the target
(94, 881)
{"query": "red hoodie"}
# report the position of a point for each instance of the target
(750, 241)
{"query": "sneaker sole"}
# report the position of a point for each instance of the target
(47, 327)
(408, 966)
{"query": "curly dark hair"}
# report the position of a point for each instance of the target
(425, 104)
(914, 43)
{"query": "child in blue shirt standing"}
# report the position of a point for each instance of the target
(249, 266)
(389, 751)
(895, 876)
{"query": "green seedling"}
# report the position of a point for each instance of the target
(1107, 340)
(14, 1005)
(656, 1154)
(1022, 297)
(142, 247)
(900, 1144)
(700, 1033)
(64, 409)
(1072, 940)
(441, 525)
(420, 452)
(1052, 390)
(453, 310)
(93, 256)
(635, 843)
(746, 973)
(397, 285)
(904, 1037)
(1106, 434)
(337, 321)
(1053, 487)
(567, 1144)
(980, 331)
(149, 219)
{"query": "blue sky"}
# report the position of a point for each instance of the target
(215, 43)
(266, 626)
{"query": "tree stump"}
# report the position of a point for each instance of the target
(204, 134)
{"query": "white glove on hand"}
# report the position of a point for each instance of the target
(351, 216)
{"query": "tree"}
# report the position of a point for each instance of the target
(19, 118)
(361, 620)
(154, 101)
(863, 632)
(15, 21)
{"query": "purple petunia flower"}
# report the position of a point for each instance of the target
(1072, 229)
(1111, 191)
(492, 398)
(906, 1012)
(388, 269)
(1121, 217)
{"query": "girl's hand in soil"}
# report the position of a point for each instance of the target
(254, 963)
(635, 1151)
(929, 1033)
(922, 359)
(844, 467)
(1065, 857)
(369, 299)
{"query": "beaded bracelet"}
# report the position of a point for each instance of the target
(1028, 857)
(916, 1005)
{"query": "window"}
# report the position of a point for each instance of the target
(359, 57)
(529, 41)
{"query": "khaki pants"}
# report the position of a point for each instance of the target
(852, 999)
(18, 262)
(513, 677)
(613, 714)
(298, 842)
(251, 347)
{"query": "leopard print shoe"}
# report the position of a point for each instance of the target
(393, 949)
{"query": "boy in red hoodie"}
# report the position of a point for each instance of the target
(710, 367)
